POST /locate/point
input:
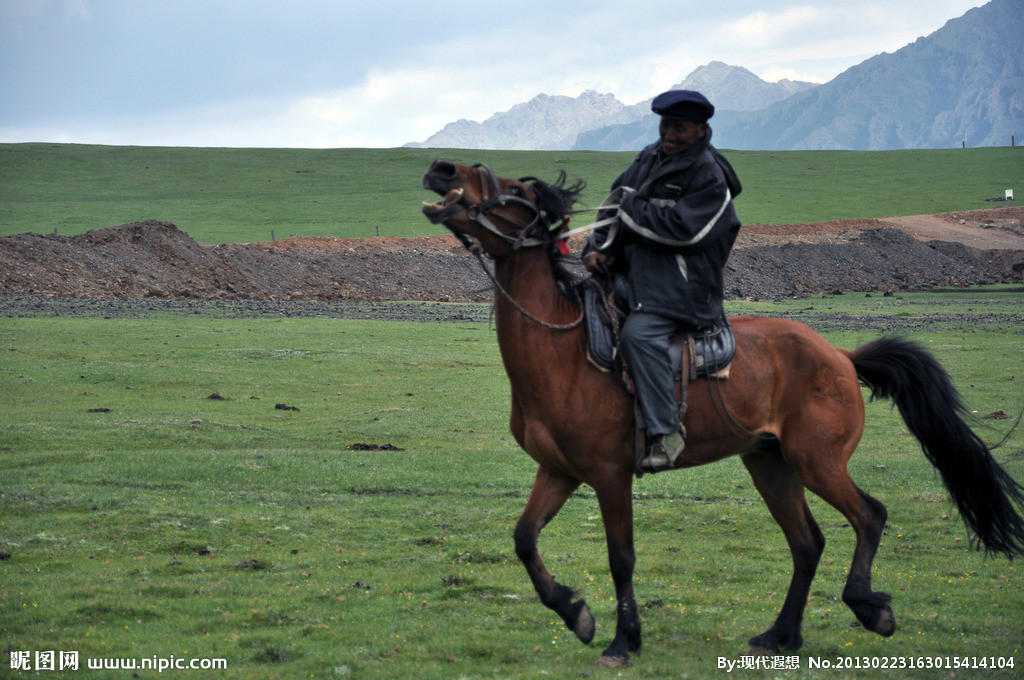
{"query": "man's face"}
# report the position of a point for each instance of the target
(679, 135)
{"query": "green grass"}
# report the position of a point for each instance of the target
(241, 195)
(813, 186)
(177, 525)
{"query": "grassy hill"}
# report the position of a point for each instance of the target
(239, 195)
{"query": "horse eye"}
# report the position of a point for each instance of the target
(516, 190)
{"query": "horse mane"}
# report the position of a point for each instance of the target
(556, 200)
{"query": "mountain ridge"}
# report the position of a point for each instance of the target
(962, 85)
(549, 122)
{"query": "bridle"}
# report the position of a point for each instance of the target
(493, 197)
(479, 214)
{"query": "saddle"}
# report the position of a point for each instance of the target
(704, 353)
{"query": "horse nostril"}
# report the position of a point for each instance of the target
(444, 170)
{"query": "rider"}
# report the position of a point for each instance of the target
(675, 230)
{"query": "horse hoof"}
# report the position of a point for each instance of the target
(762, 645)
(584, 625)
(885, 623)
(761, 650)
(614, 661)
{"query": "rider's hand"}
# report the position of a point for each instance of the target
(596, 262)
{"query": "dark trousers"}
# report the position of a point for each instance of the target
(645, 342)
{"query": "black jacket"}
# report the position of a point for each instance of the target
(675, 233)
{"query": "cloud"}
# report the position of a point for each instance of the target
(351, 73)
(374, 113)
(770, 29)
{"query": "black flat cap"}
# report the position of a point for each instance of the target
(683, 105)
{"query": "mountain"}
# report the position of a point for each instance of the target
(730, 88)
(963, 84)
(555, 122)
(544, 122)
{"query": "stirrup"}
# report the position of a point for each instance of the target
(666, 449)
(648, 465)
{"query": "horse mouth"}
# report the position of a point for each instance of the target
(439, 212)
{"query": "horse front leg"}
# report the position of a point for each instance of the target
(549, 494)
(615, 496)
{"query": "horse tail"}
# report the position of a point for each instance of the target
(986, 495)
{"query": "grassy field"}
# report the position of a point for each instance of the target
(241, 195)
(142, 519)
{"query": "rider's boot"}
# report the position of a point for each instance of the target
(662, 452)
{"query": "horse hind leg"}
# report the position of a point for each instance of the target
(867, 516)
(871, 608)
(547, 497)
(783, 492)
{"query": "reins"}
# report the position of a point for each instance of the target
(478, 252)
(479, 215)
(612, 202)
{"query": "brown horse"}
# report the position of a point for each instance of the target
(796, 408)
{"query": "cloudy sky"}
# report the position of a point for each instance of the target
(380, 73)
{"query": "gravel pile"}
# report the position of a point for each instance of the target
(157, 261)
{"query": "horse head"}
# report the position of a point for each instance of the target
(500, 215)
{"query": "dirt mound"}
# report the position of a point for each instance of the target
(157, 260)
(882, 259)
